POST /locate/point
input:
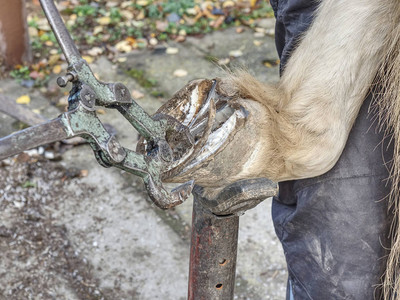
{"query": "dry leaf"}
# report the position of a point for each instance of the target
(104, 20)
(228, 4)
(95, 51)
(235, 53)
(53, 59)
(127, 14)
(24, 99)
(83, 173)
(123, 46)
(180, 73)
(161, 25)
(57, 69)
(140, 16)
(172, 50)
(137, 95)
(224, 61)
(88, 59)
(142, 2)
(267, 64)
(191, 11)
(97, 30)
(153, 41)
(33, 32)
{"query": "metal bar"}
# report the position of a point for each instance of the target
(213, 254)
(147, 127)
(60, 31)
(32, 137)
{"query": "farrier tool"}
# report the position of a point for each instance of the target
(167, 139)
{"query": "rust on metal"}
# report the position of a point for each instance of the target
(213, 253)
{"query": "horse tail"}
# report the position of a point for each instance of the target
(388, 104)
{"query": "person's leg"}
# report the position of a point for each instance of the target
(334, 227)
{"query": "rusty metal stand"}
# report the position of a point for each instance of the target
(215, 226)
(213, 254)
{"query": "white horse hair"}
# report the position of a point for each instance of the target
(298, 128)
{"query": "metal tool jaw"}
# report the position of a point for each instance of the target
(168, 140)
(81, 120)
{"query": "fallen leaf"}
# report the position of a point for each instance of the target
(121, 59)
(257, 43)
(95, 51)
(180, 38)
(43, 24)
(97, 30)
(123, 46)
(235, 53)
(259, 34)
(127, 14)
(218, 22)
(142, 2)
(259, 29)
(153, 41)
(104, 20)
(57, 69)
(83, 173)
(267, 64)
(33, 32)
(191, 11)
(132, 41)
(24, 99)
(228, 4)
(53, 59)
(161, 25)
(88, 59)
(111, 3)
(180, 73)
(136, 94)
(224, 61)
(140, 16)
(35, 75)
(172, 50)
(126, 4)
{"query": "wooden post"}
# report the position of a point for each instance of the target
(14, 38)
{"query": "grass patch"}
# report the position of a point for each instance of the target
(140, 77)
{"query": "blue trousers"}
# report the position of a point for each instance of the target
(334, 228)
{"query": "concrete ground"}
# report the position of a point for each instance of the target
(64, 236)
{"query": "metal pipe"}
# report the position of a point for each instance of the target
(213, 254)
(60, 31)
